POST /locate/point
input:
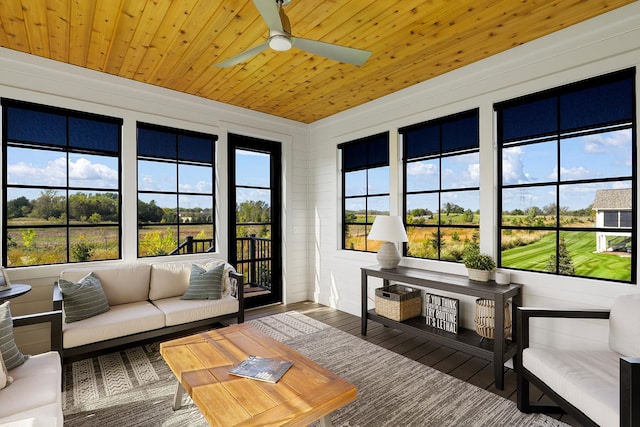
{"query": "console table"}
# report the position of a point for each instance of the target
(498, 350)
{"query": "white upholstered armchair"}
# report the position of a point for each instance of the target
(597, 388)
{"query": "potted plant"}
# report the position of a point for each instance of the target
(479, 265)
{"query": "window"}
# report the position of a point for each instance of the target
(441, 163)
(176, 197)
(62, 185)
(365, 189)
(567, 164)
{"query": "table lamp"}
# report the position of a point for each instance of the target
(389, 229)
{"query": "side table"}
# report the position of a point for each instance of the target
(16, 290)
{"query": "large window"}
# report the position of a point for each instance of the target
(567, 163)
(62, 185)
(442, 186)
(365, 189)
(175, 191)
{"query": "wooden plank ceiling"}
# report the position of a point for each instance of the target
(175, 43)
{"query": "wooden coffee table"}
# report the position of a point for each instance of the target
(307, 392)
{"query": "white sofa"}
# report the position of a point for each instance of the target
(144, 302)
(35, 396)
(596, 387)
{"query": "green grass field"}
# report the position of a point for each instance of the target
(581, 247)
(525, 250)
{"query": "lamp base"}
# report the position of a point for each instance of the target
(388, 256)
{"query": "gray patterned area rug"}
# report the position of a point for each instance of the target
(135, 387)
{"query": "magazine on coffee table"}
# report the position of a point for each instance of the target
(261, 368)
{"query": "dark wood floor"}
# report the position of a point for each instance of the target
(455, 363)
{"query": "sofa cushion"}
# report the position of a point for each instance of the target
(5, 378)
(43, 416)
(32, 421)
(83, 299)
(37, 386)
(178, 311)
(122, 283)
(589, 380)
(119, 321)
(171, 279)
(624, 333)
(204, 284)
(11, 355)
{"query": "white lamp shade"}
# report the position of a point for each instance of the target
(388, 228)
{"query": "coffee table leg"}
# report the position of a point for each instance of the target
(325, 421)
(177, 397)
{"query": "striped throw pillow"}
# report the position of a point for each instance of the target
(11, 356)
(83, 299)
(204, 284)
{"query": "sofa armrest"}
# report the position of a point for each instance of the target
(57, 297)
(524, 314)
(239, 293)
(54, 317)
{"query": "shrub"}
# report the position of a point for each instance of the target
(474, 259)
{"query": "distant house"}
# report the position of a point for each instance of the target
(613, 211)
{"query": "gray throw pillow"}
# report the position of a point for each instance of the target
(83, 299)
(10, 353)
(204, 284)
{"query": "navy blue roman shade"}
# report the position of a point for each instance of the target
(444, 135)
(365, 153)
(166, 143)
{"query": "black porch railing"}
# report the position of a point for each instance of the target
(193, 246)
(253, 257)
(254, 260)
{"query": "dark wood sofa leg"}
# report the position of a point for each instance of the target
(629, 392)
(524, 404)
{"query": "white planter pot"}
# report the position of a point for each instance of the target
(479, 275)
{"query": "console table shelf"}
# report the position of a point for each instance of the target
(498, 350)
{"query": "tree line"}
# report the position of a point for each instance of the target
(100, 207)
(104, 207)
(551, 210)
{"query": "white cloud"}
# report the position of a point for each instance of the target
(474, 172)
(422, 169)
(604, 142)
(512, 166)
(579, 172)
(198, 187)
(82, 173)
(53, 173)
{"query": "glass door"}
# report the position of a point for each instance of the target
(255, 233)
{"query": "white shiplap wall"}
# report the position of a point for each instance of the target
(34, 79)
(604, 44)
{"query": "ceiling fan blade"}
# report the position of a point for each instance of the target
(244, 56)
(336, 52)
(269, 11)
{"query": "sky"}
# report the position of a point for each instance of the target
(606, 155)
(587, 157)
(252, 169)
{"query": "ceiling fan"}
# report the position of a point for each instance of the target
(280, 39)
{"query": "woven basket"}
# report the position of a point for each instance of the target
(485, 318)
(398, 302)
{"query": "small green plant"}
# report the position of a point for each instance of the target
(475, 260)
(27, 237)
(81, 251)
